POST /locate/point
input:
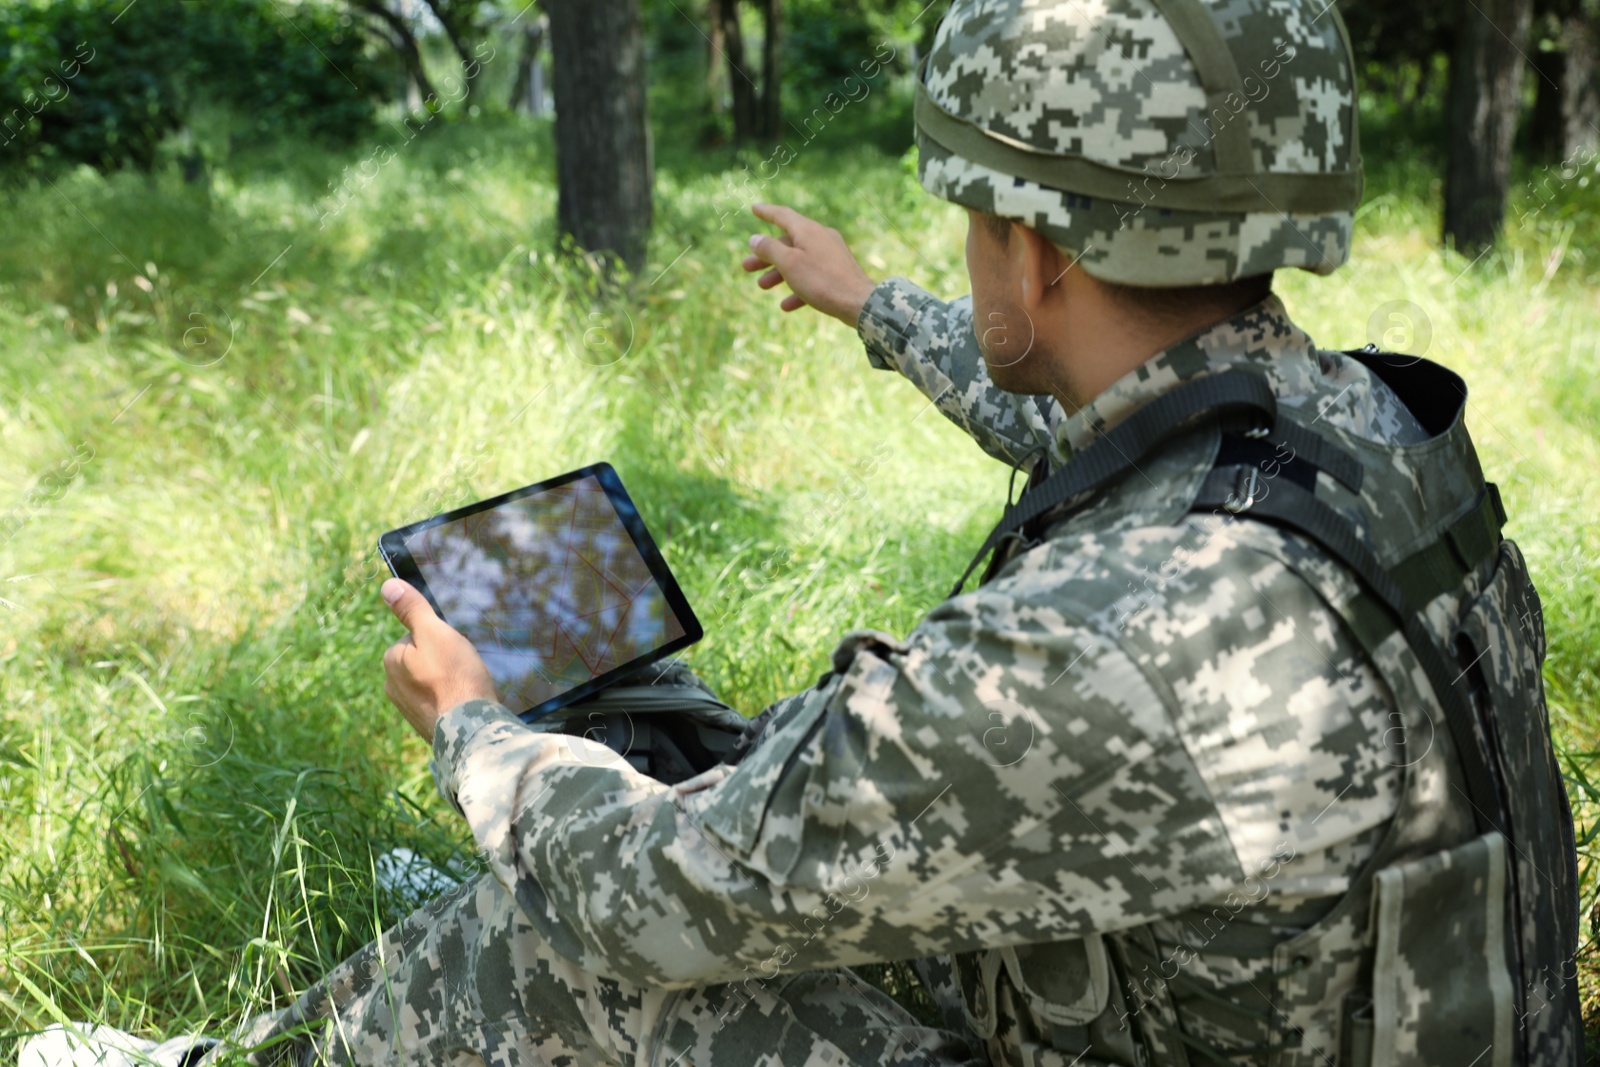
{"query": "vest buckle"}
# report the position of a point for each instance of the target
(1245, 488)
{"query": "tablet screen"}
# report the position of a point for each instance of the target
(551, 585)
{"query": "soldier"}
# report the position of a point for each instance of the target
(1215, 763)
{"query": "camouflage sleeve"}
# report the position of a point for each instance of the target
(1007, 775)
(931, 342)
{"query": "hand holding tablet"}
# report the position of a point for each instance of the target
(433, 668)
(558, 586)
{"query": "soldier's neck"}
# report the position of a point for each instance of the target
(1096, 335)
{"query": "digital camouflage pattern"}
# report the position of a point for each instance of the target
(1292, 972)
(1456, 942)
(468, 980)
(1108, 102)
(931, 342)
(1097, 796)
(1502, 642)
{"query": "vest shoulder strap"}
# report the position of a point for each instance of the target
(1238, 400)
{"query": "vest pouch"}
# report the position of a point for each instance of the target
(1441, 977)
(1500, 646)
(1063, 983)
(1056, 1001)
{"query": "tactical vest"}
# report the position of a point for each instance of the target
(1454, 947)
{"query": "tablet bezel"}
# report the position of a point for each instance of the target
(392, 548)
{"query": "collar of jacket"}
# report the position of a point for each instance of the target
(1260, 337)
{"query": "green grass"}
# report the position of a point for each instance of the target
(197, 762)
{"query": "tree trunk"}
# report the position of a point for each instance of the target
(1546, 132)
(470, 67)
(771, 80)
(527, 93)
(739, 81)
(1483, 107)
(716, 42)
(1580, 86)
(603, 158)
(1424, 81)
(404, 42)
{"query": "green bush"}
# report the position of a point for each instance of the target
(103, 83)
(825, 42)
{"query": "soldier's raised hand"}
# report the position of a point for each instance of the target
(813, 259)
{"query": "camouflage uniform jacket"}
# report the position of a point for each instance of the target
(1141, 725)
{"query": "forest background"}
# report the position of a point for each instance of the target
(277, 276)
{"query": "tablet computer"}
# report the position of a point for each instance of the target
(558, 586)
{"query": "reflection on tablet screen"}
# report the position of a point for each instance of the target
(550, 589)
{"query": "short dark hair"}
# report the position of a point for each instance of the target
(1164, 303)
(1176, 303)
(999, 226)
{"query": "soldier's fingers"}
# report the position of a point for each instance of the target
(770, 279)
(785, 218)
(792, 303)
(408, 605)
(770, 250)
(754, 263)
(394, 656)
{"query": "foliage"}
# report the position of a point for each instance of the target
(1396, 41)
(103, 82)
(197, 763)
(825, 41)
(285, 70)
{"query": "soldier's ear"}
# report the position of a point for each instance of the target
(1039, 264)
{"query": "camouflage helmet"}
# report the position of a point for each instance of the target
(1160, 142)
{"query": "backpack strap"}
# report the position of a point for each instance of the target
(1240, 400)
